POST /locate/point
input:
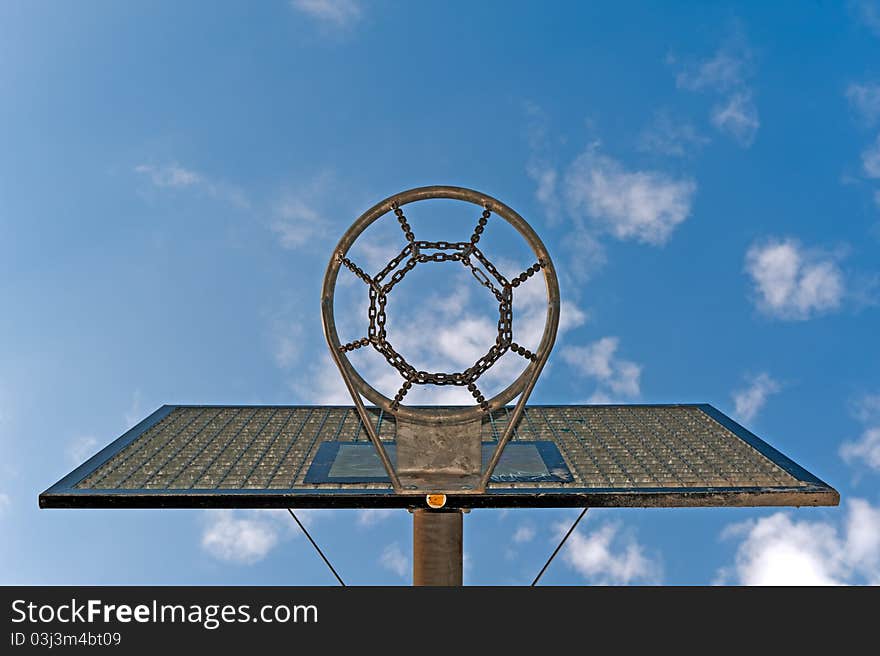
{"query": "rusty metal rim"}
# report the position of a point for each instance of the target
(532, 370)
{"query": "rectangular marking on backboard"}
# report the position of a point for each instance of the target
(358, 462)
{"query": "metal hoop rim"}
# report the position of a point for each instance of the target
(376, 212)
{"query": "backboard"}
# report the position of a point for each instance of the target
(319, 456)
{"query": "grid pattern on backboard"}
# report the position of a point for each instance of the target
(680, 451)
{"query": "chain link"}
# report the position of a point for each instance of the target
(528, 273)
(398, 275)
(481, 225)
(401, 219)
(490, 267)
(526, 353)
(483, 279)
(354, 268)
(356, 344)
(393, 263)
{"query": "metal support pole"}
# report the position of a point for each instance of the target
(437, 551)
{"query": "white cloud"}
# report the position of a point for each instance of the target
(673, 137)
(867, 408)
(135, 413)
(288, 343)
(750, 400)
(170, 175)
(296, 223)
(373, 516)
(866, 449)
(869, 14)
(586, 254)
(324, 384)
(394, 560)
(609, 556)
(240, 537)
(791, 282)
(725, 76)
(80, 449)
(337, 13)
(539, 167)
(737, 116)
(524, 533)
(298, 218)
(865, 100)
(595, 196)
(247, 536)
(871, 159)
(547, 180)
(642, 205)
(616, 377)
(778, 550)
(175, 176)
(722, 72)
(5, 503)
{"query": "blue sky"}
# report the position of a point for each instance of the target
(173, 179)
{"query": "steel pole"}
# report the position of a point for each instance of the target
(437, 547)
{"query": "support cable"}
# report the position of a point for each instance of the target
(317, 548)
(558, 547)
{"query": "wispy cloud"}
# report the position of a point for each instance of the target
(672, 137)
(288, 343)
(547, 180)
(737, 116)
(540, 167)
(871, 159)
(80, 449)
(616, 378)
(791, 282)
(779, 550)
(333, 13)
(610, 555)
(5, 503)
(374, 516)
(240, 537)
(135, 411)
(645, 206)
(865, 449)
(173, 176)
(296, 223)
(865, 101)
(247, 536)
(724, 71)
(750, 400)
(394, 560)
(298, 218)
(170, 175)
(867, 408)
(725, 75)
(868, 12)
(524, 533)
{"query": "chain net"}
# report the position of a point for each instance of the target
(417, 252)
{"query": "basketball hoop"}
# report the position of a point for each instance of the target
(440, 450)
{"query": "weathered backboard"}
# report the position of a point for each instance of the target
(319, 456)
